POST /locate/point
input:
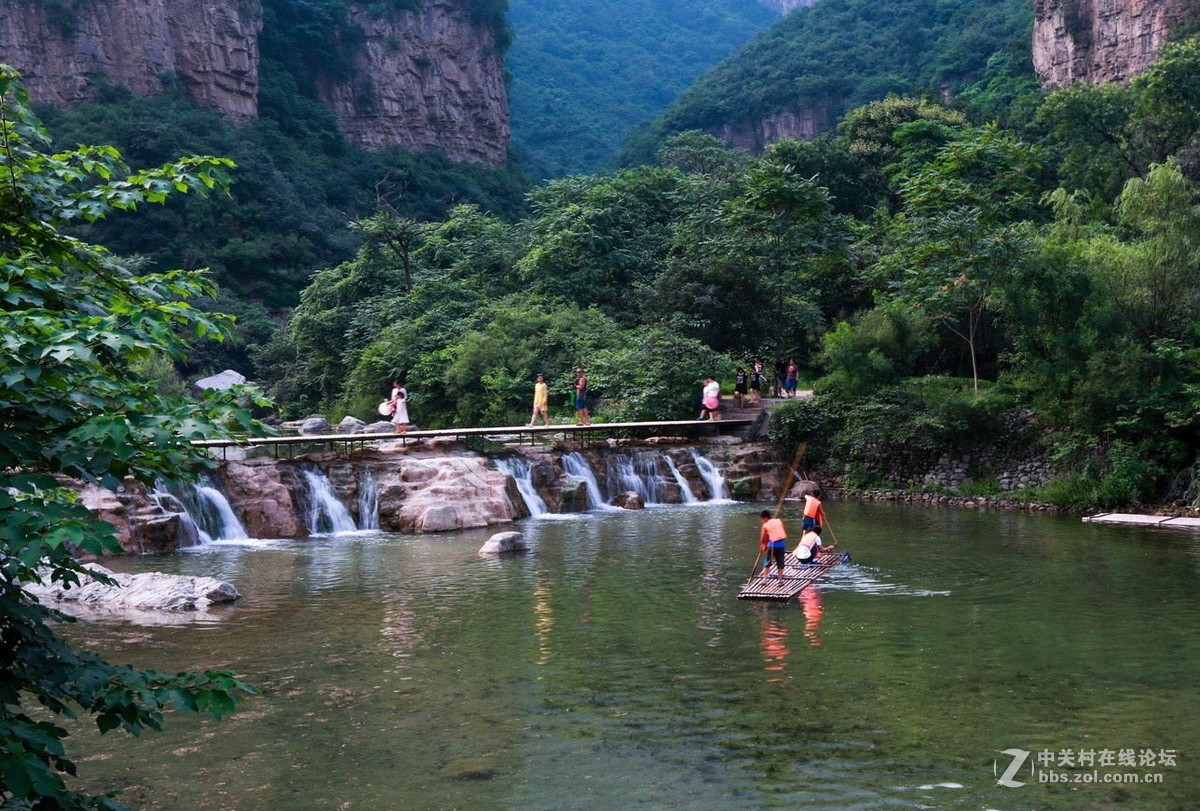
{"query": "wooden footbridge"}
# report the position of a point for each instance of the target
(797, 576)
(582, 434)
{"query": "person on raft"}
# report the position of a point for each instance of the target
(773, 543)
(810, 546)
(814, 513)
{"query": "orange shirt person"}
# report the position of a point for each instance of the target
(814, 513)
(773, 542)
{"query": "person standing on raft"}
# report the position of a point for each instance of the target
(773, 543)
(814, 513)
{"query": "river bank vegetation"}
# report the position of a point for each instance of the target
(81, 327)
(933, 271)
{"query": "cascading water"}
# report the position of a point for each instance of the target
(368, 499)
(325, 513)
(519, 468)
(167, 502)
(685, 489)
(624, 475)
(211, 511)
(575, 465)
(712, 477)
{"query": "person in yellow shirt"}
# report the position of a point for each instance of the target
(541, 401)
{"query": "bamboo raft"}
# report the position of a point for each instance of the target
(796, 577)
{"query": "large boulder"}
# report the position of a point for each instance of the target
(436, 494)
(262, 499)
(629, 500)
(503, 543)
(222, 381)
(136, 593)
(351, 425)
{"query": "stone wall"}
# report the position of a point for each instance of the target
(1101, 40)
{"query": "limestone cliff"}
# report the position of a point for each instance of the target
(428, 80)
(68, 52)
(1100, 40)
(755, 135)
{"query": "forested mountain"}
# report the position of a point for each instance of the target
(583, 74)
(298, 122)
(941, 279)
(797, 78)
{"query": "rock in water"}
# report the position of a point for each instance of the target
(504, 542)
(139, 593)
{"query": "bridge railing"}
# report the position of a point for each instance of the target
(513, 433)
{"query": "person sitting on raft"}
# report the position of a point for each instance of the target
(810, 546)
(773, 543)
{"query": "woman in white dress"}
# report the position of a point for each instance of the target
(399, 399)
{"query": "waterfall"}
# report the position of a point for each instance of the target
(519, 468)
(575, 465)
(211, 512)
(167, 502)
(639, 472)
(325, 514)
(712, 477)
(622, 474)
(685, 489)
(368, 499)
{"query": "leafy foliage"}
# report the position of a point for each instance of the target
(584, 74)
(77, 323)
(836, 55)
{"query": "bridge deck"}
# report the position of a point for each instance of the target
(518, 433)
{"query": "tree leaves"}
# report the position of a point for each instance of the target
(72, 319)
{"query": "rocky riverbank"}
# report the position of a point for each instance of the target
(441, 486)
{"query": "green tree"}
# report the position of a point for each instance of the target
(962, 230)
(601, 241)
(77, 324)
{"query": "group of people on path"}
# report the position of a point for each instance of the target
(750, 382)
(773, 538)
(541, 400)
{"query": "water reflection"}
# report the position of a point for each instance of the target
(810, 600)
(775, 649)
(613, 666)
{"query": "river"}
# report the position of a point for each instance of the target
(613, 667)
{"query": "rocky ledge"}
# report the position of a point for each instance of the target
(151, 597)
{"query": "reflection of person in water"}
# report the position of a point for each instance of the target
(810, 601)
(774, 647)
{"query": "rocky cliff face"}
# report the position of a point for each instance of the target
(1100, 40)
(430, 80)
(755, 135)
(68, 52)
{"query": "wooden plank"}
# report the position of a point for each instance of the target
(797, 576)
(442, 433)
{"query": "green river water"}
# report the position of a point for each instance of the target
(612, 666)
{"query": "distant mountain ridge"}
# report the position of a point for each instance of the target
(425, 75)
(584, 74)
(796, 79)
